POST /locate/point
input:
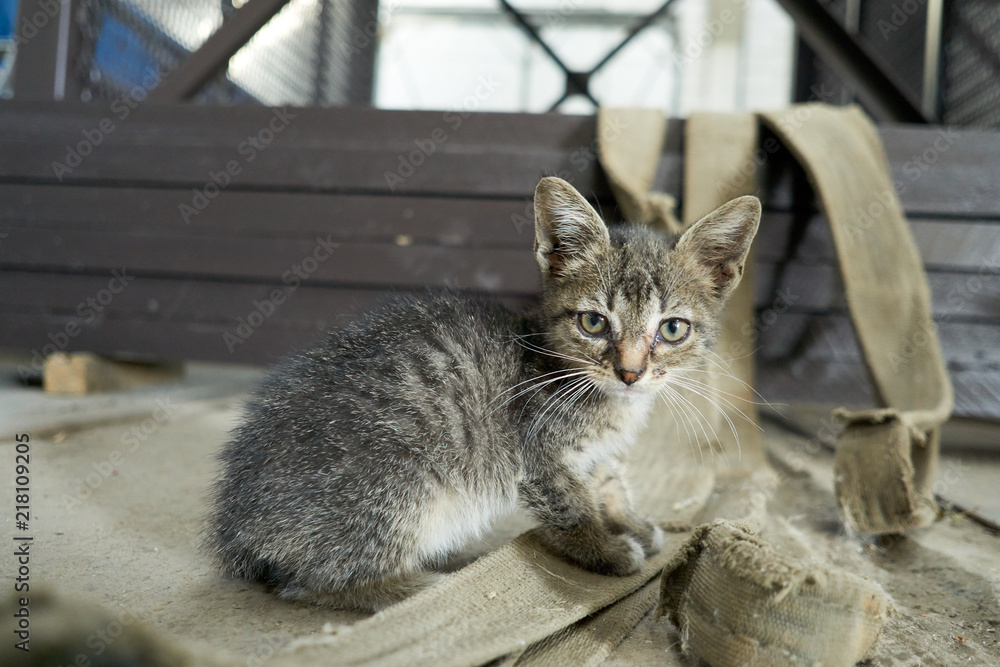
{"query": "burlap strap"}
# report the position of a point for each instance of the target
(885, 458)
(738, 601)
(630, 143)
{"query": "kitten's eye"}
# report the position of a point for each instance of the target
(593, 323)
(674, 330)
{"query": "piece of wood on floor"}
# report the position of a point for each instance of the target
(82, 373)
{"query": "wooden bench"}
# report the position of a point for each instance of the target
(237, 234)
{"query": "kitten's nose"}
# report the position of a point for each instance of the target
(628, 376)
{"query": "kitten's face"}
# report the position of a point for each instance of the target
(629, 307)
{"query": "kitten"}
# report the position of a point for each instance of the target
(363, 463)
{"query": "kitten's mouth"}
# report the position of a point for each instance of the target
(622, 389)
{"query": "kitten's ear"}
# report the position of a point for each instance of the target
(568, 231)
(717, 245)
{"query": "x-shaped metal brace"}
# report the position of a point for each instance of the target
(578, 83)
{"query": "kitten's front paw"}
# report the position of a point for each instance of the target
(650, 537)
(622, 556)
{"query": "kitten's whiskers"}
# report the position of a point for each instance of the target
(534, 347)
(565, 374)
(566, 395)
(681, 419)
(699, 422)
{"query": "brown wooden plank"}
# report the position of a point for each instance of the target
(164, 342)
(60, 295)
(959, 296)
(501, 270)
(326, 149)
(446, 221)
(970, 245)
(831, 338)
(977, 393)
(939, 172)
(238, 335)
(944, 171)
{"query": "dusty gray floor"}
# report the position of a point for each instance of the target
(118, 485)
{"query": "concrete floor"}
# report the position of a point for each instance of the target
(118, 488)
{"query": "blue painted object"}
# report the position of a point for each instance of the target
(120, 54)
(8, 18)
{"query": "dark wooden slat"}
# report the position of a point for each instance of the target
(954, 176)
(968, 245)
(164, 341)
(945, 171)
(972, 246)
(332, 149)
(60, 295)
(138, 211)
(323, 128)
(831, 338)
(351, 148)
(240, 336)
(958, 296)
(977, 393)
(254, 259)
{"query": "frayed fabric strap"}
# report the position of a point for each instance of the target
(630, 145)
(885, 461)
(885, 471)
(737, 601)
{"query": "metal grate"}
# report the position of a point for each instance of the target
(971, 85)
(298, 58)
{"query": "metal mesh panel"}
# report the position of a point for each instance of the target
(278, 64)
(305, 56)
(298, 58)
(972, 64)
(127, 44)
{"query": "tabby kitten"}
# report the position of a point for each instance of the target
(363, 463)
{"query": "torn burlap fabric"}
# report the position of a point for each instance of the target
(739, 589)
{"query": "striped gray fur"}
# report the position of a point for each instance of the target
(363, 463)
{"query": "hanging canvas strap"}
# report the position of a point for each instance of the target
(886, 458)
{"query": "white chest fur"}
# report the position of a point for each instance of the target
(454, 519)
(632, 415)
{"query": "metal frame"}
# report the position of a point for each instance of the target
(213, 56)
(40, 70)
(934, 35)
(855, 63)
(578, 83)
